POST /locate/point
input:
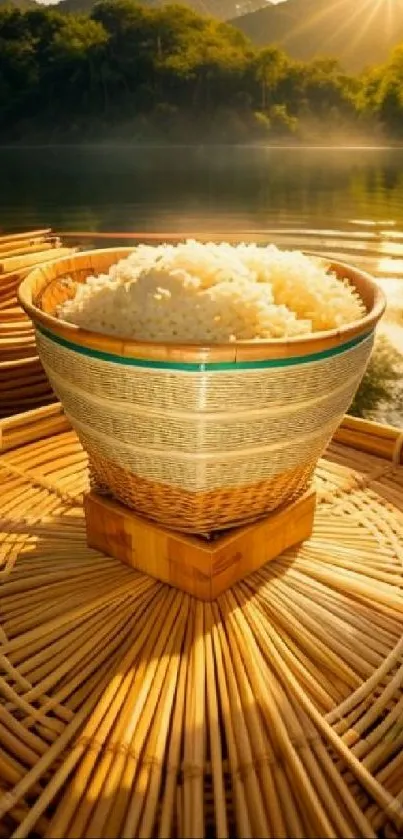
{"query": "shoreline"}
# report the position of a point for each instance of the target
(165, 146)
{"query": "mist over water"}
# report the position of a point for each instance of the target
(346, 203)
(207, 188)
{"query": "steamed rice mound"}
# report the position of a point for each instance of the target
(195, 292)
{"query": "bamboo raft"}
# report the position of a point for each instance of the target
(131, 709)
(23, 383)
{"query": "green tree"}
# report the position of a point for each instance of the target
(129, 56)
(271, 65)
(132, 65)
(203, 60)
(74, 53)
(18, 65)
(381, 95)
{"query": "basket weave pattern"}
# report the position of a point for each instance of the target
(333, 383)
(175, 507)
(198, 445)
(210, 392)
(199, 470)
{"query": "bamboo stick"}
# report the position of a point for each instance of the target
(244, 767)
(27, 248)
(215, 741)
(173, 757)
(32, 234)
(243, 818)
(122, 743)
(18, 263)
(141, 812)
(25, 243)
(116, 691)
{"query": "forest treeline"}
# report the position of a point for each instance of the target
(147, 74)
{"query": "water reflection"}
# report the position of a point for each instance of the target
(180, 189)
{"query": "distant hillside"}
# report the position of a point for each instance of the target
(75, 6)
(357, 32)
(20, 4)
(222, 9)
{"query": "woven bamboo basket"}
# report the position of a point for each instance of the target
(129, 709)
(196, 437)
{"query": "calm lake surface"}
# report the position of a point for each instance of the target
(345, 203)
(341, 201)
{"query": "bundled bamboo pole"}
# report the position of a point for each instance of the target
(23, 383)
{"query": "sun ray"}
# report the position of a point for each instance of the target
(373, 9)
(363, 15)
(304, 26)
(389, 5)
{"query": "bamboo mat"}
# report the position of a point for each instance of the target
(23, 384)
(130, 709)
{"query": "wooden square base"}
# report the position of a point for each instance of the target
(200, 567)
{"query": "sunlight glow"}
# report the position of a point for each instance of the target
(362, 12)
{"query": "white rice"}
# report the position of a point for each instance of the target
(211, 293)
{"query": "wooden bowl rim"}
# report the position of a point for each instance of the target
(238, 351)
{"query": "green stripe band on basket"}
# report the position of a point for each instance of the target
(194, 367)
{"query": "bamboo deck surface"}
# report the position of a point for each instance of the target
(23, 383)
(130, 709)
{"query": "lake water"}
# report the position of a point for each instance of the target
(345, 203)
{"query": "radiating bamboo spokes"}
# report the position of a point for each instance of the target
(129, 709)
